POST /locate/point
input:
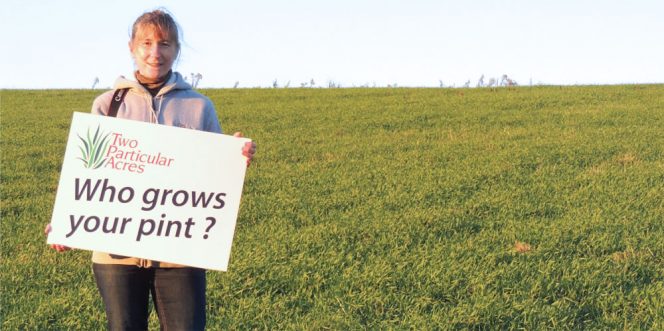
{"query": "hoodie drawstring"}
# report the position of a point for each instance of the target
(161, 101)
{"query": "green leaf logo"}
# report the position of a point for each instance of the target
(93, 149)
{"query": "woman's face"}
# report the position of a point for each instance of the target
(154, 55)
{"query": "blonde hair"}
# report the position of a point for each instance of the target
(162, 22)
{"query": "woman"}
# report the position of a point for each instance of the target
(158, 95)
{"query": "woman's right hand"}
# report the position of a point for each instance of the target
(59, 248)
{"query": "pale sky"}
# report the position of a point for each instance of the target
(67, 43)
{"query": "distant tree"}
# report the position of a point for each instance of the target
(503, 80)
(287, 84)
(467, 84)
(491, 82)
(441, 83)
(480, 82)
(195, 79)
(506, 81)
(95, 82)
(274, 84)
(312, 83)
(237, 82)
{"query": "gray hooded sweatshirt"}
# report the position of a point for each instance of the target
(176, 104)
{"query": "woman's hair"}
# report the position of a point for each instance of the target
(162, 22)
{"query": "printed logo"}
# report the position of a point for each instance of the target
(93, 150)
(116, 151)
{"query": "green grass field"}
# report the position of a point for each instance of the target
(523, 208)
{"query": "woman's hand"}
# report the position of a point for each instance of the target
(59, 248)
(249, 148)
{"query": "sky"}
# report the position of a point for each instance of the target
(409, 43)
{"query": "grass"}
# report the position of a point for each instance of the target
(520, 208)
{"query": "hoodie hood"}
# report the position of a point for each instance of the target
(176, 82)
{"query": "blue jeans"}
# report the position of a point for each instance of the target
(178, 295)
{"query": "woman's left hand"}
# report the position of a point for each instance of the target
(249, 148)
(59, 248)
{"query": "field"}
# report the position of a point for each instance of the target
(521, 208)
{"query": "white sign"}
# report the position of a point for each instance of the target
(149, 191)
